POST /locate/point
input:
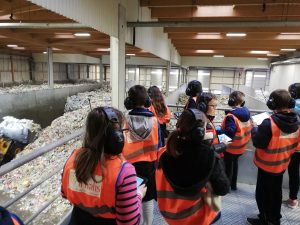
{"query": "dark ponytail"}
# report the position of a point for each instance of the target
(92, 151)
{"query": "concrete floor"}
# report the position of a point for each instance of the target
(239, 205)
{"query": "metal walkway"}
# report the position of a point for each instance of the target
(240, 204)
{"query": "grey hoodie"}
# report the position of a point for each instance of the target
(140, 127)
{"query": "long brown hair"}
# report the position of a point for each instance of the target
(92, 151)
(158, 101)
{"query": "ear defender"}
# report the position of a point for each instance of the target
(232, 101)
(148, 102)
(271, 103)
(202, 104)
(128, 103)
(197, 132)
(114, 141)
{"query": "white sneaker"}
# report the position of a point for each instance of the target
(293, 204)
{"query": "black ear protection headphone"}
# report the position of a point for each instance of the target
(293, 90)
(203, 103)
(114, 141)
(271, 103)
(129, 103)
(197, 132)
(232, 101)
(192, 85)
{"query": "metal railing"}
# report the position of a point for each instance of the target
(29, 157)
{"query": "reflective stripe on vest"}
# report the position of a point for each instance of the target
(178, 209)
(276, 157)
(93, 197)
(142, 150)
(242, 135)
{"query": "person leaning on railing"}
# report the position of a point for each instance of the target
(97, 180)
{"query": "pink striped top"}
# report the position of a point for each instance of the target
(128, 202)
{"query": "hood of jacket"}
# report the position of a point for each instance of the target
(242, 113)
(139, 123)
(191, 170)
(288, 122)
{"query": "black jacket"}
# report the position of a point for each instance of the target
(190, 171)
(287, 122)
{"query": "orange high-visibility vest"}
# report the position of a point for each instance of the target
(215, 139)
(241, 138)
(96, 198)
(142, 150)
(276, 157)
(162, 120)
(178, 209)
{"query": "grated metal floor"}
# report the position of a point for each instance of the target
(240, 204)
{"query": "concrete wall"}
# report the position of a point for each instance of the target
(42, 106)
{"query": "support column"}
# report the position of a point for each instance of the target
(50, 67)
(101, 71)
(12, 69)
(179, 77)
(117, 62)
(168, 77)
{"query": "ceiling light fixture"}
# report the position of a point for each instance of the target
(218, 56)
(259, 76)
(12, 46)
(288, 49)
(207, 33)
(290, 33)
(19, 48)
(263, 59)
(236, 34)
(272, 55)
(205, 51)
(44, 52)
(103, 49)
(82, 34)
(130, 54)
(259, 52)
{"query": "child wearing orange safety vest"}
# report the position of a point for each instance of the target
(189, 171)
(275, 140)
(193, 89)
(237, 126)
(142, 141)
(160, 110)
(97, 180)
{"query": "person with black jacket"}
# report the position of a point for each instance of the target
(275, 140)
(189, 167)
(193, 89)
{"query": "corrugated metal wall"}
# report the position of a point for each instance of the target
(20, 69)
(101, 15)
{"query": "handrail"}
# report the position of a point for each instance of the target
(40, 151)
(221, 108)
(12, 201)
(29, 220)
